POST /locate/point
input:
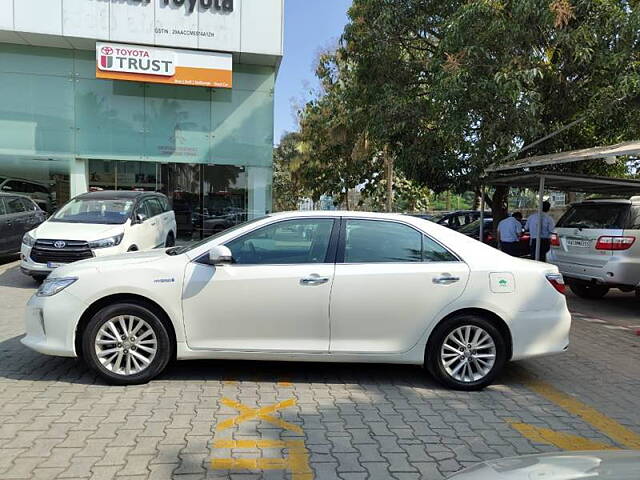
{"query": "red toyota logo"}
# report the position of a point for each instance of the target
(107, 50)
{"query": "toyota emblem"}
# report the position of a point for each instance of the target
(107, 50)
(59, 244)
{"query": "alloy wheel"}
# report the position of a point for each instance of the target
(468, 353)
(126, 345)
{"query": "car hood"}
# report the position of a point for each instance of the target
(75, 231)
(601, 465)
(97, 263)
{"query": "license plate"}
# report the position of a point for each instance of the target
(55, 265)
(579, 243)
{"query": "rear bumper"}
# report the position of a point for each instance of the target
(539, 333)
(623, 271)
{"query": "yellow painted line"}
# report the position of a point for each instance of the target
(264, 413)
(285, 384)
(564, 441)
(297, 463)
(229, 382)
(612, 429)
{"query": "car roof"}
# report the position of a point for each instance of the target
(115, 195)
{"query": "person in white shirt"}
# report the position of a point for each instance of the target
(545, 232)
(509, 232)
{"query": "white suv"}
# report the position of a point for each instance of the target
(98, 224)
(596, 247)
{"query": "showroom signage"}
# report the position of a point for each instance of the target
(163, 65)
(219, 5)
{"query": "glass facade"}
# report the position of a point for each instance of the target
(55, 113)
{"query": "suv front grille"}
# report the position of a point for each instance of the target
(73, 250)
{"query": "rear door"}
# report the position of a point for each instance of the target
(16, 221)
(4, 227)
(579, 229)
(391, 281)
(156, 212)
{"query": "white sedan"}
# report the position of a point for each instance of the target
(306, 286)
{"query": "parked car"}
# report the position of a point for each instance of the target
(39, 192)
(306, 286)
(97, 224)
(473, 230)
(457, 220)
(596, 247)
(18, 215)
(594, 465)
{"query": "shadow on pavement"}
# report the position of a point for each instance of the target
(12, 277)
(17, 362)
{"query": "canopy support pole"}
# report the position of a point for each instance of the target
(482, 214)
(539, 226)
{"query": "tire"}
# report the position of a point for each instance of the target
(132, 248)
(593, 292)
(461, 372)
(134, 315)
(39, 278)
(170, 241)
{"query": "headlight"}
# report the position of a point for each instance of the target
(28, 240)
(55, 285)
(107, 242)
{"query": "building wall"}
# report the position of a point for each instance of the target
(51, 105)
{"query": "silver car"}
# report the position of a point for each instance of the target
(596, 247)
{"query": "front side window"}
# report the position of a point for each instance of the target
(86, 210)
(374, 241)
(154, 207)
(29, 205)
(284, 243)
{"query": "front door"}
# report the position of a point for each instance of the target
(390, 283)
(273, 298)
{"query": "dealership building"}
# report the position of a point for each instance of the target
(174, 96)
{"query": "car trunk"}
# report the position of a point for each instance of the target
(579, 229)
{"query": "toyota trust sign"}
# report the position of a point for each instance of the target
(137, 63)
(147, 61)
(215, 5)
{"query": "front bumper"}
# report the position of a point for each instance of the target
(50, 324)
(29, 267)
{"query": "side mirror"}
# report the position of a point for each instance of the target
(140, 217)
(220, 255)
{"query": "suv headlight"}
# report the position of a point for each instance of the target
(107, 242)
(55, 285)
(28, 240)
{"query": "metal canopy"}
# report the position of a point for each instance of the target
(620, 149)
(569, 182)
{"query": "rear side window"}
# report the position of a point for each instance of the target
(634, 220)
(14, 205)
(596, 216)
(374, 241)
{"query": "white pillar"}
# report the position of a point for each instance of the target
(259, 181)
(78, 176)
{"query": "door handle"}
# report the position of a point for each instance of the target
(445, 279)
(314, 279)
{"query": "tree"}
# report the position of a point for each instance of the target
(287, 189)
(453, 86)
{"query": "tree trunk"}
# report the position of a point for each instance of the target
(389, 161)
(476, 199)
(499, 206)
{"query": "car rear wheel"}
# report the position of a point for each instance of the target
(593, 292)
(466, 352)
(127, 344)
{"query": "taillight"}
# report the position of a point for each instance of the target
(615, 243)
(556, 280)
(555, 240)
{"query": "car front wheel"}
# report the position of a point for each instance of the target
(466, 352)
(127, 344)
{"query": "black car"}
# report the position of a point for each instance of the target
(454, 220)
(18, 215)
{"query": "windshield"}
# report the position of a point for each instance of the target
(474, 227)
(188, 248)
(86, 210)
(597, 215)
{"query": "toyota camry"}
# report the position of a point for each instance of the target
(306, 286)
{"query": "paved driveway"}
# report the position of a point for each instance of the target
(246, 420)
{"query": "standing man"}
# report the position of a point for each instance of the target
(545, 232)
(509, 231)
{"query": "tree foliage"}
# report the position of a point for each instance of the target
(451, 86)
